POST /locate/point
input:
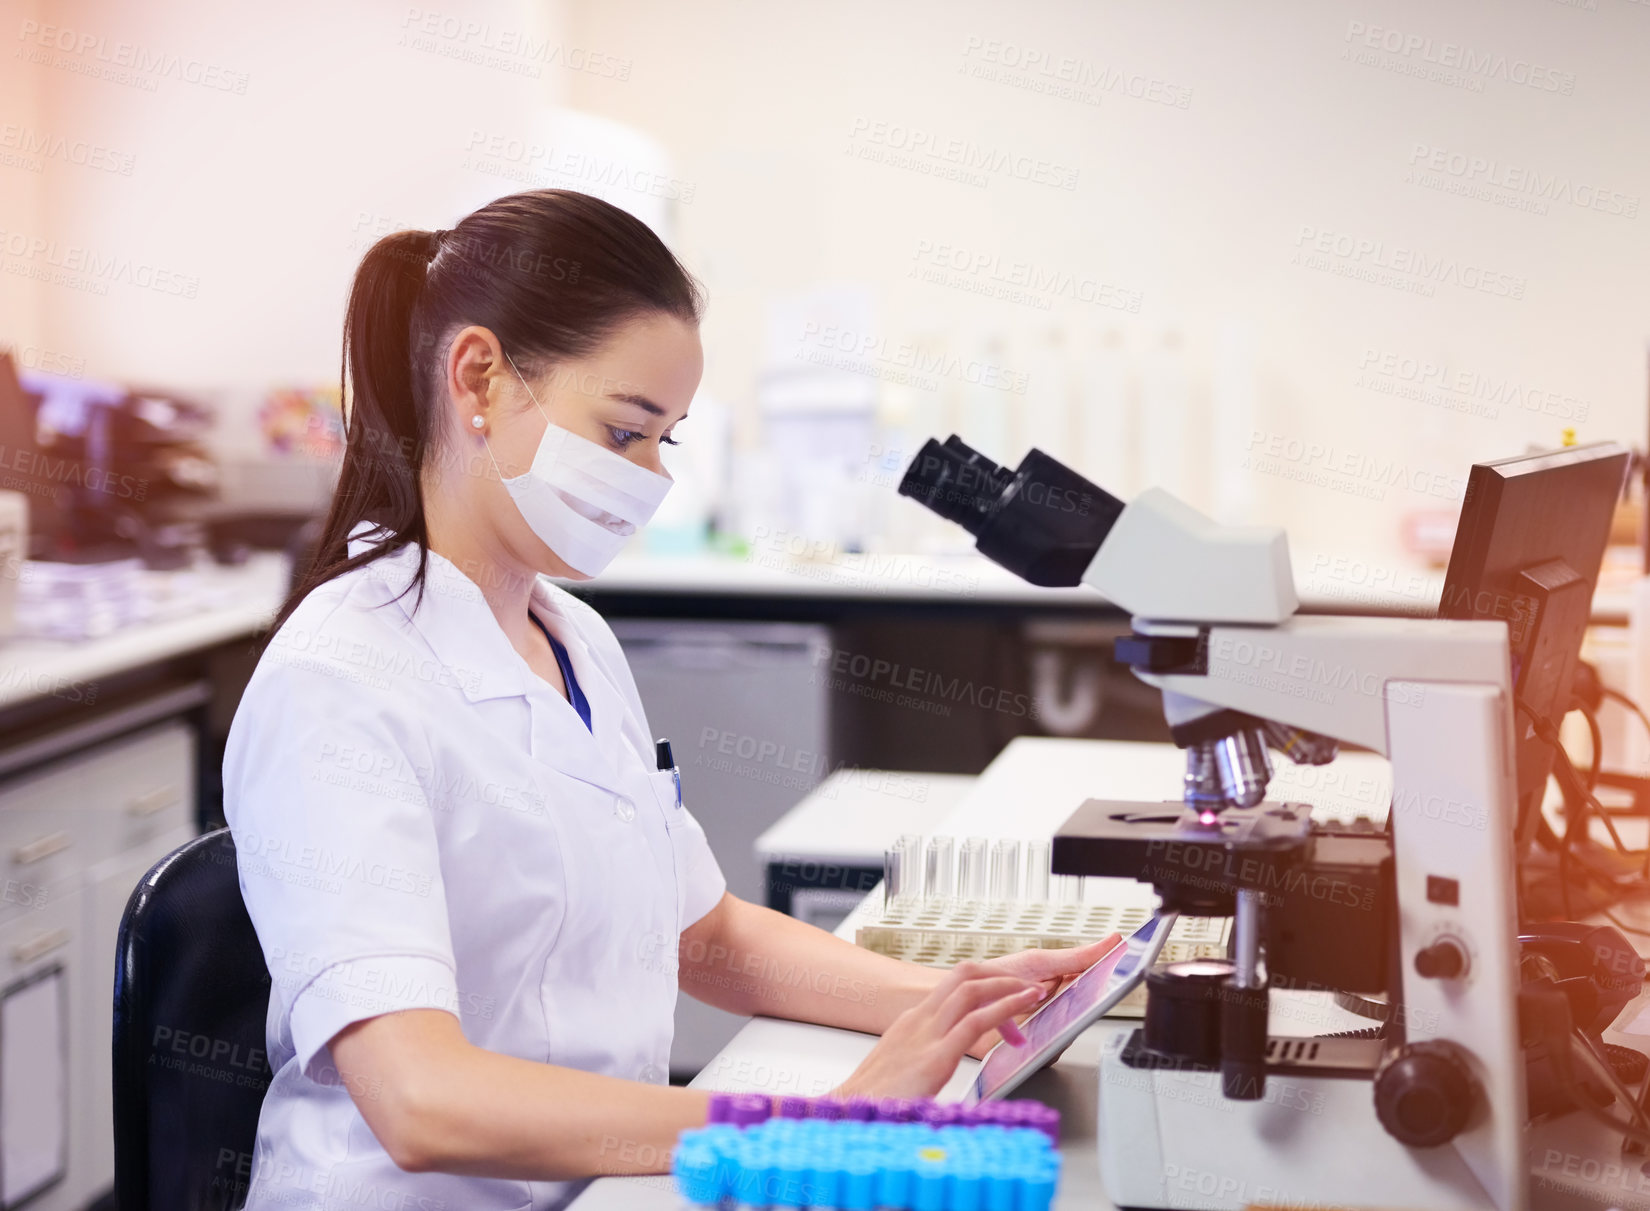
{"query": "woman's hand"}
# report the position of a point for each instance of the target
(973, 1002)
(1052, 970)
(919, 1051)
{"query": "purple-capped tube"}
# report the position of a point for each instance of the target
(942, 1114)
(1046, 1119)
(826, 1108)
(749, 1109)
(792, 1107)
(861, 1109)
(721, 1106)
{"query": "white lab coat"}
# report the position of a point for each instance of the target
(423, 822)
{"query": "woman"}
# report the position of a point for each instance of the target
(469, 880)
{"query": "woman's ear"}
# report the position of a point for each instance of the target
(474, 362)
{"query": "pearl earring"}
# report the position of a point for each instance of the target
(476, 421)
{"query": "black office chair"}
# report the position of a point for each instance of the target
(191, 994)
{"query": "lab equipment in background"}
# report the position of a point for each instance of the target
(1109, 439)
(1527, 552)
(1171, 455)
(818, 395)
(14, 549)
(750, 719)
(1432, 1118)
(946, 902)
(114, 472)
(854, 1166)
(699, 467)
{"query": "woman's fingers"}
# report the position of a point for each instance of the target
(968, 997)
(990, 1016)
(1057, 964)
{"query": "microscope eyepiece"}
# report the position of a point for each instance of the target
(1041, 521)
(958, 483)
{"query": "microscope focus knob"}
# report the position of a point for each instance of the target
(1424, 1093)
(1443, 960)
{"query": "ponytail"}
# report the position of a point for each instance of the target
(552, 273)
(384, 429)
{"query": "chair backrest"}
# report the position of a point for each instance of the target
(191, 996)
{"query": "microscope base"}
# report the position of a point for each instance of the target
(1168, 1139)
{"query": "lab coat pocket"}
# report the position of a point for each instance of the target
(699, 882)
(665, 791)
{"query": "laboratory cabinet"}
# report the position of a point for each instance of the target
(77, 833)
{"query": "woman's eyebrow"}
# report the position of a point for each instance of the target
(641, 401)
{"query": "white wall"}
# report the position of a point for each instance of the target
(1200, 209)
(261, 201)
(315, 127)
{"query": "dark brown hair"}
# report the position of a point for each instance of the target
(552, 273)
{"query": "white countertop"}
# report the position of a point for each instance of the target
(968, 577)
(856, 814)
(249, 594)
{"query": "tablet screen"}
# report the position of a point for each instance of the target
(1082, 1002)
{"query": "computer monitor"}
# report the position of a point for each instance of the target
(1527, 552)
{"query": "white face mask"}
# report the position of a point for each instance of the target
(582, 499)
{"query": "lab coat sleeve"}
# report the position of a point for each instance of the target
(702, 881)
(337, 853)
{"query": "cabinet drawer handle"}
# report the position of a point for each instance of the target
(152, 803)
(39, 851)
(35, 948)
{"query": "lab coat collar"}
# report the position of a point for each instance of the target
(457, 623)
(454, 619)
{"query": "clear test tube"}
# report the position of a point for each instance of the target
(940, 872)
(901, 878)
(1037, 871)
(1005, 871)
(972, 884)
(1068, 889)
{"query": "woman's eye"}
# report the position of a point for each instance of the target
(623, 437)
(669, 440)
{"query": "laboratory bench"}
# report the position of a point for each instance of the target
(1026, 792)
(772, 678)
(107, 764)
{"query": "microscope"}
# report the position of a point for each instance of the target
(1204, 1106)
